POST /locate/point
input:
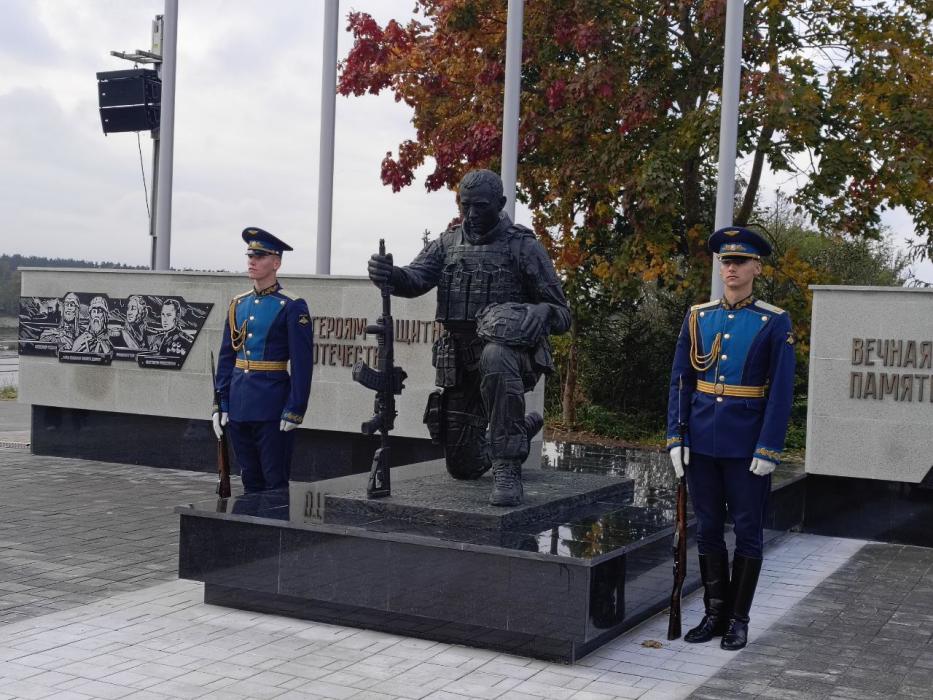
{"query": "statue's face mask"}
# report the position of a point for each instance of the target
(479, 209)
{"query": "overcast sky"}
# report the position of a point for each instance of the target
(246, 138)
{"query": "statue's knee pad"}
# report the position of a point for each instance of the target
(465, 445)
(467, 461)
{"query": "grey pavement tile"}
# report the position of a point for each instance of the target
(410, 691)
(129, 629)
(70, 536)
(104, 691)
(371, 695)
(860, 634)
(326, 690)
(178, 689)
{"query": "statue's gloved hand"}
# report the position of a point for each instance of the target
(219, 420)
(380, 268)
(286, 426)
(761, 467)
(676, 460)
(536, 320)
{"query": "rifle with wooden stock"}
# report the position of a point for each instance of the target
(223, 451)
(679, 545)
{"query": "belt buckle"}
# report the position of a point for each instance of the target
(719, 388)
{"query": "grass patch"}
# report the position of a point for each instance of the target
(8, 393)
(641, 428)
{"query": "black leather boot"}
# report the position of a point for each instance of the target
(714, 572)
(506, 483)
(744, 581)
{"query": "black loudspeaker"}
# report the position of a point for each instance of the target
(129, 100)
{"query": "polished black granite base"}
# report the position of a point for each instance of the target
(439, 500)
(553, 588)
(885, 511)
(177, 443)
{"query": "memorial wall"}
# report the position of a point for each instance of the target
(870, 404)
(101, 346)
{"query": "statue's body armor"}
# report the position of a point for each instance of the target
(474, 276)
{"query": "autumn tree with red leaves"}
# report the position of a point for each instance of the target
(620, 116)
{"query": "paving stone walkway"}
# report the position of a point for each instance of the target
(90, 607)
(865, 632)
(73, 531)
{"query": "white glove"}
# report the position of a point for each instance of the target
(675, 460)
(761, 467)
(219, 420)
(285, 426)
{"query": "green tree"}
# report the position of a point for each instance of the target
(10, 275)
(620, 118)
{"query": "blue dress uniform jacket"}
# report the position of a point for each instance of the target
(266, 334)
(732, 380)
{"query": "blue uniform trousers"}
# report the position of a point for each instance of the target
(264, 453)
(717, 484)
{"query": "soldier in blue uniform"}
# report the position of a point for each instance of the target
(732, 385)
(268, 332)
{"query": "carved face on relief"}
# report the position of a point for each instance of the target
(169, 315)
(97, 315)
(135, 309)
(70, 307)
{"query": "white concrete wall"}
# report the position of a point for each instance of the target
(337, 402)
(886, 437)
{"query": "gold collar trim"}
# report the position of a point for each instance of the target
(747, 301)
(271, 289)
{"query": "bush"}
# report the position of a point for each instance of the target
(632, 426)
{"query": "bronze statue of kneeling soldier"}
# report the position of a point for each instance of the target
(498, 298)
(732, 383)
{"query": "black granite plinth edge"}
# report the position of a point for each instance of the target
(521, 602)
(178, 443)
(785, 509)
(549, 649)
(871, 509)
(520, 605)
(440, 500)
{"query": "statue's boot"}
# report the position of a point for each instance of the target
(506, 483)
(714, 572)
(533, 423)
(744, 582)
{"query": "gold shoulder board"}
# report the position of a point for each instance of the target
(769, 307)
(697, 307)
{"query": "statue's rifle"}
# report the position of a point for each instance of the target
(679, 546)
(387, 381)
(223, 451)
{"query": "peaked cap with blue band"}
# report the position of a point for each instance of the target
(263, 242)
(738, 242)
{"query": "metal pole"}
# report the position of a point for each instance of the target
(325, 180)
(728, 128)
(163, 213)
(155, 199)
(510, 108)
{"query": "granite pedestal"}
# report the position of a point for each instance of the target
(584, 559)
